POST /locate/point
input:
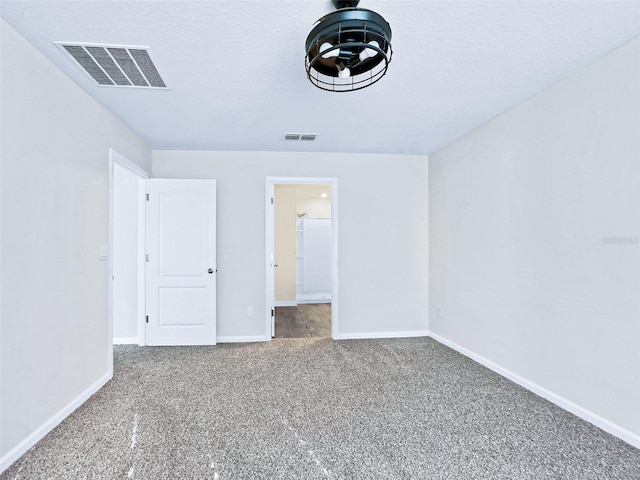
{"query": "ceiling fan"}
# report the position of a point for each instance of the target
(348, 49)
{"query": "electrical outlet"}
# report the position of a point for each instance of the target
(249, 311)
(440, 312)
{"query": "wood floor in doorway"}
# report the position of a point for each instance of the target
(304, 321)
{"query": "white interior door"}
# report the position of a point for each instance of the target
(181, 268)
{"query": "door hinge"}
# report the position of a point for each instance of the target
(146, 257)
(147, 197)
(147, 318)
(271, 200)
(273, 312)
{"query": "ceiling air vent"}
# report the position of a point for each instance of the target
(115, 66)
(304, 137)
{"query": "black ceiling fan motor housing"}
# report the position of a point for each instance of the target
(345, 3)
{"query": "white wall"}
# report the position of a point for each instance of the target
(383, 233)
(522, 211)
(309, 201)
(314, 207)
(126, 193)
(55, 151)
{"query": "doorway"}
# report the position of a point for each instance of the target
(126, 253)
(153, 222)
(301, 260)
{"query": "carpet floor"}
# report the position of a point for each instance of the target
(319, 409)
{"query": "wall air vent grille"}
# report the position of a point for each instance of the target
(115, 66)
(305, 137)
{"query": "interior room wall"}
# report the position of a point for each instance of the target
(125, 254)
(383, 234)
(534, 251)
(314, 207)
(309, 201)
(285, 243)
(54, 220)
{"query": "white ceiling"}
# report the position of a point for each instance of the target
(237, 81)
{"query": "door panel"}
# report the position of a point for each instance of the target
(180, 306)
(183, 223)
(181, 293)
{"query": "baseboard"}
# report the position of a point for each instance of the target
(242, 339)
(314, 297)
(16, 452)
(125, 340)
(587, 415)
(286, 303)
(360, 336)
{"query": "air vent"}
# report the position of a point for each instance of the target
(304, 137)
(115, 66)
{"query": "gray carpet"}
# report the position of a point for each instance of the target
(319, 409)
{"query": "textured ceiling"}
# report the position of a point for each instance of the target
(236, 78)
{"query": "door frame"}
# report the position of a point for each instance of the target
(122, 161)
(270, 183)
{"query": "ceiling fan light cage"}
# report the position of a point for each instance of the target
(349, 32)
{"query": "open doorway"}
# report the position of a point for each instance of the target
(127, 190)
(302, 260)
(301, 257)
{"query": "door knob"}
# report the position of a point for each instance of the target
(275, 265)
(210, 270)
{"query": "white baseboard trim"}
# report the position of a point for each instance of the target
(587, 415)
(360, 336)
(125, 340)
(242, 339)
(16, 452)
(286, 303)
(321, 297)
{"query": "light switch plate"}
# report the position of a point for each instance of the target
(104, 254)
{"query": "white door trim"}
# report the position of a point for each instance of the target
(143, 189)
(128, 164)
(270, 183)
(115, 157)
